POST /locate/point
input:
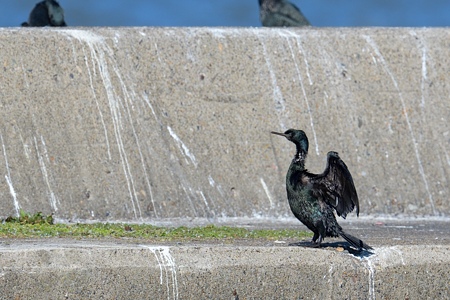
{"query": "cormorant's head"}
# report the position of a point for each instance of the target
(55, 13)
(298, 137)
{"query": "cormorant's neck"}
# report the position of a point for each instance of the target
(299, 158)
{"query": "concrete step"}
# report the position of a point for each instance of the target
(410, 261)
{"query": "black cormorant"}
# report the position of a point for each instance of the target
(46, 13)
(313, 198)
(281, 13)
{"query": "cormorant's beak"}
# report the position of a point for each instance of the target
(279, 133)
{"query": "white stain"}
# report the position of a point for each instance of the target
(424, 67)
(26, 148)
(280, 105)
(305, 97)
(45, 149)
(266, 189)
(100, 53)
(52, 198)
(371, 280)
(190, 199)
(9, 180)
(145, 97)
(326, 98)
(211, 181)
(405, 112)
(167, 267)
(424, 74)
(206, 203)
(94, 94)
(330, 282)
(302, 50)
(183, 148)
(129, 97)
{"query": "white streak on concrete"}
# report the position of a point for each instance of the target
(157, 53)
(52, 198)
(424, 75)
(25, 79)
(405, 112)
(266, 189)
(183, 148)
(195, 195)
(166, 261)
(97, 104)
(45, 149)
(190, 200)
(330, 282)
(26, 148)
(424, 66)
(211, 181)
(372, 295)
(326, 98)
(13, 194)
(280, 105)
(127, 95)
(9, 180)
(145, 97)
(99, 52)
(299, 45)
(211, 211)
(305, 97)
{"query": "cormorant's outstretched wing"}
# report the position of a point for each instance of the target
(282, 14)
(291, 15)
(335, 186)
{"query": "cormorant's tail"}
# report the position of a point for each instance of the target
(354, 241)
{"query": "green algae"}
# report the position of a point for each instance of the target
(40, 226)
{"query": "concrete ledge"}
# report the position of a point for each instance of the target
(410, 260)
(142, 124)
(62, 269)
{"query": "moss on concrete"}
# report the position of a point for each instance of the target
(40, 226)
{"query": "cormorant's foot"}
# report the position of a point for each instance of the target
(315, 244)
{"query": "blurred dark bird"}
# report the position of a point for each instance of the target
(280, 13)
(46, 13)
(313, 197)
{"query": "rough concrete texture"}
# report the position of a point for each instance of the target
(410, 261)
(142, 124)
(121, 269)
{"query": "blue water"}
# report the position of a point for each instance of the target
(415, 13)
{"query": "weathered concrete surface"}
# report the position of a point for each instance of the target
(142, 124)
(411, 261)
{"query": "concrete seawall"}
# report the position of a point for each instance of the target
(141, 124)
(59, 269)
(157, 124)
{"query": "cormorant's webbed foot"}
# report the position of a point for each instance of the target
(316, 240)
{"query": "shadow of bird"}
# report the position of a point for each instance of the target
(313, 198)
(46, 13)
(281, 13)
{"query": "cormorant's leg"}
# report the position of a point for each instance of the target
(315, 237)
(320, 240)
(320, 234)
(316, 240)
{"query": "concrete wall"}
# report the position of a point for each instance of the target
(142, 124)
(83, 270)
